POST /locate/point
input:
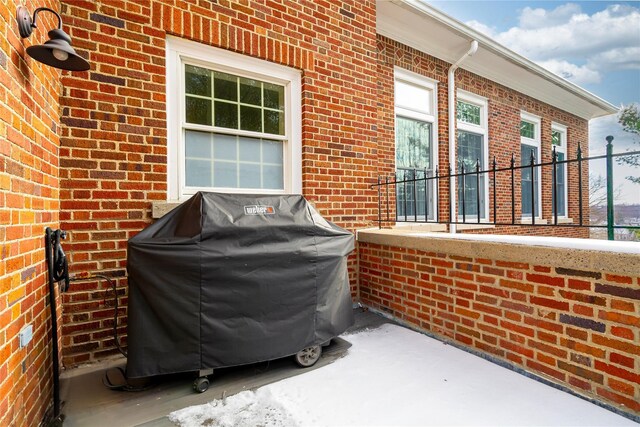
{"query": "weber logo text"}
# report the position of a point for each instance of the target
(259, 210)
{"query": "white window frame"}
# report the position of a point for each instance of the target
(482, 129)
(180, 52)
(535, 141)
(431, 116)
(562, 148)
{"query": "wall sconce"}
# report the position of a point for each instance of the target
(57, 51)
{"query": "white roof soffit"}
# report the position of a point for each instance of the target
(425, 28)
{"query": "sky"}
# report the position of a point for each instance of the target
(594, 44)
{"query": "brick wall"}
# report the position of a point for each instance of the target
(504, 107)
(567, 315)
(29, 125)
(114, 124)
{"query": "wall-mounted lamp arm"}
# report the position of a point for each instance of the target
(40, 9)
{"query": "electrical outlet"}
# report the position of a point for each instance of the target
(26, 334)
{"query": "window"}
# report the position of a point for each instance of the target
(234, 122)
(415, 125)
(559, 143)
(530, 152)
(472, 150)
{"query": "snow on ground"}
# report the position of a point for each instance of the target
(393, 376)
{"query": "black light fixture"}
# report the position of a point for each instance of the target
(57, 51)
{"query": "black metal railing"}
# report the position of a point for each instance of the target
(414, 193)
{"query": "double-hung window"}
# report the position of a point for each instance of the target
(472, 152)
(415, 127)
(233, 121)
(530, 154)
(559, 144)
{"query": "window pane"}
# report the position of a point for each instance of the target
(272, 152)
(249, 175)
(224, 100)
(468, 113)
(226, 115)
(197, 81)
(233, 162)
(526, 185)
(411, 195)
(250, 91)
(560, 188)
(249, 150)
(413, 144)
(250, 119)
(264, 114)
(413, 97)
(560, 176)
(272, 177)
(274, 122)
(225, 174)
(556, 138)
(225, 147)
(198, 173)
(527, 129)
(471, 187)
(273, 96)
(470, 151)
(198, 111)
(197, 145)
(527, 152)
(225, 86)
(413, 151)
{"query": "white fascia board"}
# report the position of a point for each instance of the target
(446, 38)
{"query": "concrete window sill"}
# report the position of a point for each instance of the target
(538, 221)
(476, 226)
(563, 220)
(160, 209)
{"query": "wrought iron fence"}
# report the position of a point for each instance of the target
(414, 194)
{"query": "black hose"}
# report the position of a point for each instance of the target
(125, 386)
(54, 276)
(112, 283)
(60, 265)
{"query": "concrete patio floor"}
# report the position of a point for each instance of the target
(87, 402)
(90, 403)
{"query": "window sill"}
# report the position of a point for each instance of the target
(476, 226)
(539, 221)
(562, 220)
(160, 209)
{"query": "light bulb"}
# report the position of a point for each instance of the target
(60, 55)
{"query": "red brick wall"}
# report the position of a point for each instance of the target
(504, 107)
(114, 143)
(29, 126)
(577, 327)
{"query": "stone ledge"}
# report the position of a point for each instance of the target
(579, 254)
(421, 227)
(160, 209)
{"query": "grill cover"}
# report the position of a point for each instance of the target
(225, 280)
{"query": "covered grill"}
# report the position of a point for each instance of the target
(225, 280)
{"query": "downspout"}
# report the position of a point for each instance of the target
(453, 195)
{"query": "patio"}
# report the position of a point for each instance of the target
(89, 402)
(432, 384)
